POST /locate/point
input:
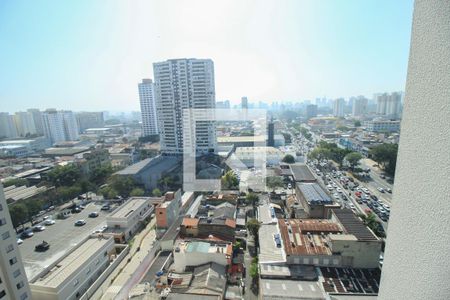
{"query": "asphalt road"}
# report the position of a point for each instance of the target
(61, 236)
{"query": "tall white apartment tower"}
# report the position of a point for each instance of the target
(389, 105)
(148, 107)
(24, 123)
(244, 103)
(59, 126)
(37, 118)
(7, 125)
(359, 106)
(13, 280)
(182, 84)
(338, 107)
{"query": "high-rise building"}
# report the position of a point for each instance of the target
(359, 106)
(7, 126)
(148, 107)
(271, 134)
(60, 126)
(88, 120)
(339, 107)
(311, 111)
(37, 118)
(182, 84)
(13, 280)
(223, 104)
(389, 105)
(24, 123)
(244, 103)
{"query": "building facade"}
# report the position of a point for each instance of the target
(88, 120)
(7, 126)
(383, 126)
(184, 84)
(24, 122)
(37, 118)
(389, 104)
(359, 106)
(339, 107)
(60, 126)
(13, 280)
(148, 107)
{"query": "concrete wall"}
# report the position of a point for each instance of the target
(416, 258)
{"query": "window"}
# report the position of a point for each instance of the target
(9, 248)
(1, 207)
(2, 294)
(16, 273)
(20, 285)
(5, 235)
(12, 260)
(2, 221)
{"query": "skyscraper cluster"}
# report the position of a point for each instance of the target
(389, 105)
(179, 84)
(60, 126)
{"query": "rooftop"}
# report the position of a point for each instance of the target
(307, 236)
(353, 225)
(159, 163)
(129, 207)
(271, 251)
(350, 280)
(266, 214)
(204, 247)
(71, 263)
(314, 194)
(301, 172)
(291, 289)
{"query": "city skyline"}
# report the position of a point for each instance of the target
(326, 58)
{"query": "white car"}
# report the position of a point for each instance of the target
(352, 206)
(339, 190)
(329, 187)
(49, 222)
(335, 185)
(336, 195)
(381, 190)
(19, 241)
(289, 186)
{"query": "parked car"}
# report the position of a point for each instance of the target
(27, 234)
(389, 191)
(80, 223)
(49, 222)
(374, 197)
(76, 210)
(93, 214)
(44, 246)
(381, 190)
(106, 207)
(38, 228)
(19, 241)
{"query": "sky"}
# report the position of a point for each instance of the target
(90, 55)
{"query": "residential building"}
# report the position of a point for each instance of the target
(389, 105)
(271, 134)
(168, 211)
(222, 228)
(7, 126)
(91, 160)
(244, 103)
(13, 151)
(88, 120)
(148, 107)
(248, 155)
(383, 126)
(184, 84)
(359, 107)
(71, 276)
(24, 123)
(223, 104)
(37, 118)
(60, 126)
(13, 280)
(196, 253)
(125, 221)
(339, 107)
(311, 111)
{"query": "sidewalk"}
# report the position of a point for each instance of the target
(119, 277)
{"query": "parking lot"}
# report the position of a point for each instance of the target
(61, 236)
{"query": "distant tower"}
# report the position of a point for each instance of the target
(271, 134)
(182, 84)
(148, 107)
(311, 111)
(244, 103)
(60, 126)
(338, 108)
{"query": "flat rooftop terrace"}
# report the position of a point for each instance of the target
(129, 207)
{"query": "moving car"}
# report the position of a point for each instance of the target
(80, 223)
(106, 207)
(44, 246)
(381, 190)
(76, 210)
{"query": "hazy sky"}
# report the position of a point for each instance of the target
(90, 55)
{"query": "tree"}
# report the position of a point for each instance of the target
(371, 221)
(342, 128)
(64, 175)
(289, 159)
(254, 272)
(386, 156)
(156, 192)
(165, 182)
(253, 226)
(353, 159)
(252, 199)
(137, 192)
(357, 123)
(123, 185)
(15, 181)
(19, 214)
(273, 182)
(230, 180)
